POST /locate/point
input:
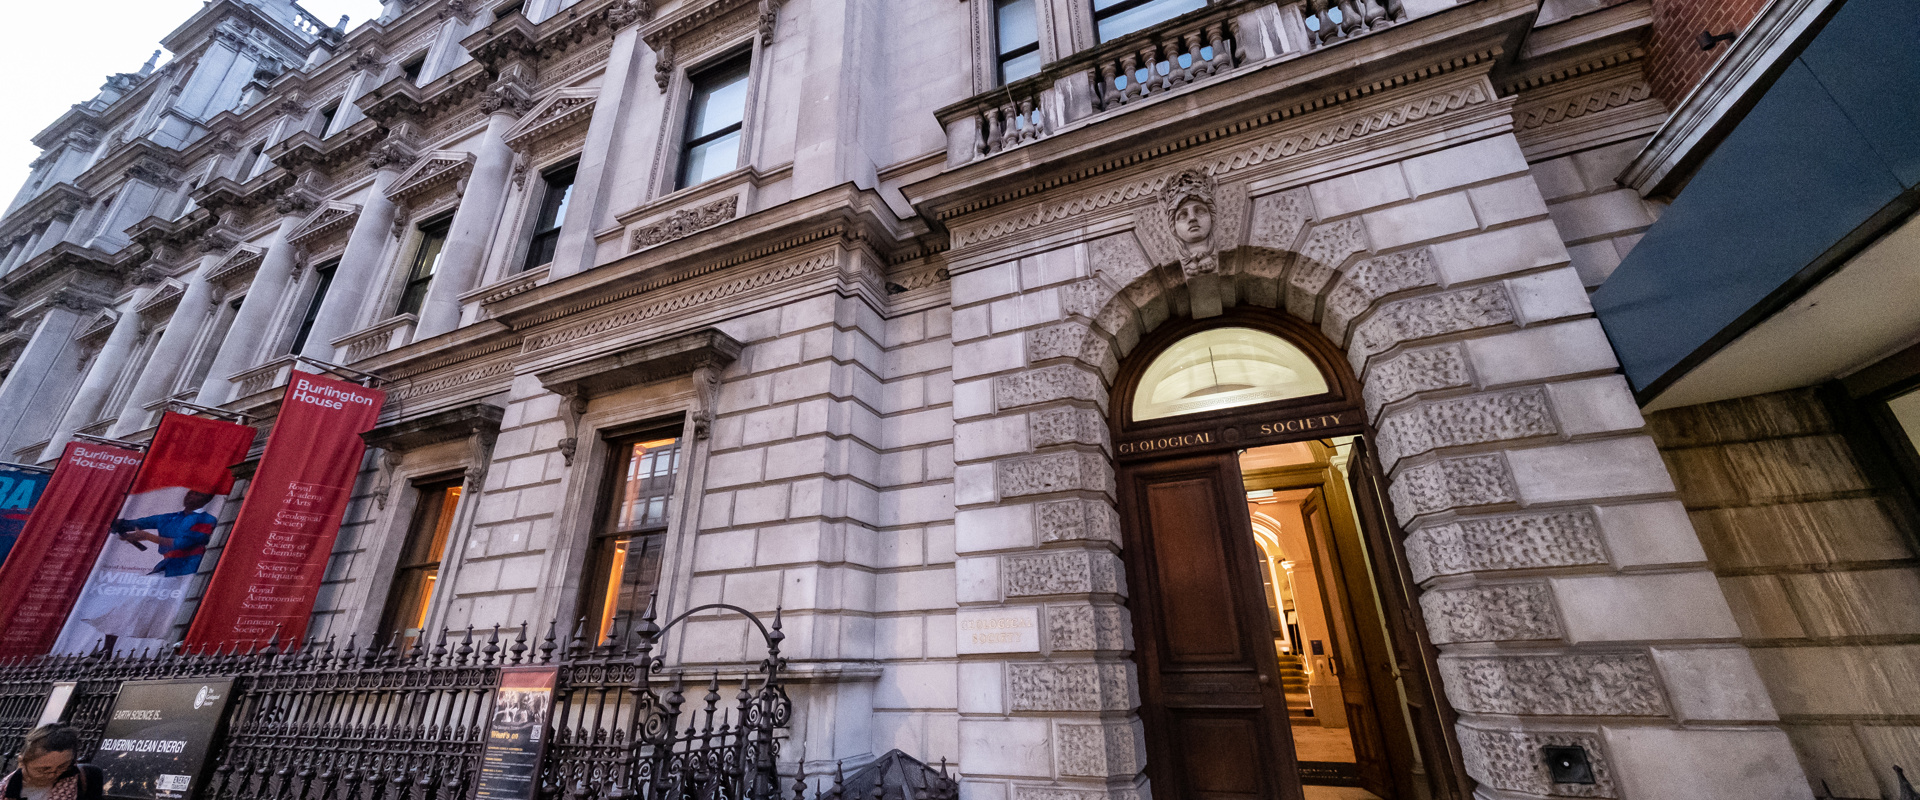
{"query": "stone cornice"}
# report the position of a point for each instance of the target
(1721, 99)
(642, 364)
(448, 425)
(63, 260)
(55, 200)
(557, 113)
(433, 172)
(331, 219)
(138, 158)
(1303, 91)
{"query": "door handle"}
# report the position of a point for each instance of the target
(1264, 680)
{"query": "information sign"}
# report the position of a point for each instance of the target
(516, 734)
(159, 736)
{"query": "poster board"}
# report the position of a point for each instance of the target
(516, 734)
(159, 736)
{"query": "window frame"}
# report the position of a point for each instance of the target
(605, 537)
(1341, 384)
(329, 113)
(431, 506)
(323, 281)
(413, 68)
(1002, 56)
(442, 221)
(1123, 7)
(726, 62)
(571, 168)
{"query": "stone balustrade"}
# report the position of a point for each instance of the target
(1147, 65)
(267, 376)
(369, 342)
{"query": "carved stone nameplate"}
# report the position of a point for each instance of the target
(1000, 630)
(1251, 431)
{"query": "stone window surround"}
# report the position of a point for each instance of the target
(523, 203)
(642, 387)
(679, 93)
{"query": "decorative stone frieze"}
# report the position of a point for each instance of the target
(1069, 520)
(1048, 384)
(1512, 542)
(1073, 425)
(1475, 419)
(1069, 686)
(691, 299)
(1452, 483)
(1087, 627)
(1371, 280)
(1503, 613)
(1556, 684)
(1062, 572)
(1066, 471)
(1418, 318)
(1511, 761)
(1424, 370)
(685, 222)
(1097, 751)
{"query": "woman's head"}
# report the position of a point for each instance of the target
(47, 752)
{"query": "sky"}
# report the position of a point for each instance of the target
(56, 54)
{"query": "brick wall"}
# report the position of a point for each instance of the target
(1675, 60)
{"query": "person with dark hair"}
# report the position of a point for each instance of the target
(49, 770)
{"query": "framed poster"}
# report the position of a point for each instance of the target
(159, 736)
(516, 734)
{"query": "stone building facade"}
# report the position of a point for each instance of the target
(840, 307)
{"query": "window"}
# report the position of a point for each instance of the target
(209, 347)
(106, 216)
(553, 213)
(323, 280)
(624, 563)
(1017, 31)
(433, 238)
(251, 166)
(419, 568)
(718, 110)
(326, 118)
(1116, 18)
(1224, 368)
(411, 69)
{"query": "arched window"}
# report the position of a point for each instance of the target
(1225, 368)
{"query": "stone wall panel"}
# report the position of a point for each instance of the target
(1558, 684)
(1097, 751)
(1055, 472)
(1424, 370)
(1047, 385)
(1510, 760)
(1371, 280)
(1452, 483)
(1067, 520)
(1477, 419)
(1062, 572)
(1069, 686)
(1278, 220)
(1071, 425)
(1088, 627)
(1503, 613)
(1514, 542)
(1327, 249)
(1416, 318)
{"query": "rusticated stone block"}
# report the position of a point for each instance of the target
(1087, 627)
(1476, 419)
(1326, 250)
(1071, 425)
(1424, 370)
(1085, 298)
(1058, 793)
(1493, 544)
(1097, 751)
(1430, 315)
(1070, 340)
(1068, 520)
(1452, 483)
(1048, 384)
(1278, 219)
(1063, 572)
(1510, 760)
(1055, 472)
(1371, 280)
(1120, 257)
(1505, 613)
(1081, 686)
(1557, 684)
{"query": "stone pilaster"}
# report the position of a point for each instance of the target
(249, 329)
(478, 216)
(359, 272)
(98, 382)
(162, 370)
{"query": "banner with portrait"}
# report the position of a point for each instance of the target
(141, 577)
(20, 488)
(66, 531)
(277, 556)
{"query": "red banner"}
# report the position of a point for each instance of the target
(271, 571)
(57, 546)
(140, 580)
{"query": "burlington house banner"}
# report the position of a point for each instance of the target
(66, 530)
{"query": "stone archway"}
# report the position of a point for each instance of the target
(1541, 524)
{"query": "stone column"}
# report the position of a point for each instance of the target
(359, 269)
(256, 310)
(98, 382)
(575, 250)
(479, 213)
(35, 387)
(156, 379)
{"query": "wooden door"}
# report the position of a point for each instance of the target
(1432, 718)
(1365, 666)
(1215, 714)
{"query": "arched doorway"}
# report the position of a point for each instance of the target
(1275, 633)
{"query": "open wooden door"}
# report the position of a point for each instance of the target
(1432, 719)
(1216, 716)
(1365, 666)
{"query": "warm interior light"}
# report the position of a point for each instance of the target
(1225, 368)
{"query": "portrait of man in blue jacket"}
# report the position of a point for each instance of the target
(182, 535)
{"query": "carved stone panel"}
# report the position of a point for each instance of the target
(1063, 572)
(1513, 542)
(1503, 613)
(685, 222)
(1510, 760)
(1054, 472)
(1048, 384)
(1417, 318)
(1071, 425)
(1452, 483)
(1371, 280)
(1069, 687)
(1088, 627)
(1069, 520)
(1424, 370)
(1475, 419)
(1559, 684)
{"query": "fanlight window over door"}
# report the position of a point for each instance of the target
(1225, 368)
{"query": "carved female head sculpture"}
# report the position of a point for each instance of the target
(1187, 200)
